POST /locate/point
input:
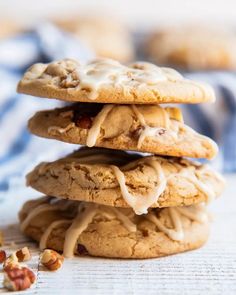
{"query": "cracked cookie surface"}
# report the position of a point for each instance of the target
(88, 175)
(147, 128)
(88, 229)
(108, 81)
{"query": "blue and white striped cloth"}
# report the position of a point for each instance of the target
(217, 120)
(20, 151)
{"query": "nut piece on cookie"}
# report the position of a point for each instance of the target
(11, 262)
(18, 278)
(51, 259)
(23, 254)
(84, 122)
(3, 256)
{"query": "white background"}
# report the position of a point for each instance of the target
(141, 13)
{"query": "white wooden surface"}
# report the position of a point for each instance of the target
(209, 270)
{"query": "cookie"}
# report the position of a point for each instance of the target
(106, 37)
(9, 28)
(193, 48)
(121, 179)
(108, 81)
(90, 229)
(143, 128)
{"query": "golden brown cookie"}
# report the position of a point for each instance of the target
(106, 37)
(143, 128)
(120, 179)
(9, 28)
(108, 81)
(90, 229)
(193, 47)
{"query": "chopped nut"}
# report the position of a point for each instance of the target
(23, 254)
(68, 82)
(18, 278)
(3, 256)
(82, 250)
(54, 69)
(175, 113)
(51, 259)
(161, 131)
(145, 233)
(11, 262)
(83, 121)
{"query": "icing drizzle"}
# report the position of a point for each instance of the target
(53, 129)
(79, 224)
(46, 234)
(199, 177)
(37, 211)
(203, 187)
(88, 211)
(96, 126)
(146, 131)
(195, 213)
(140, 204)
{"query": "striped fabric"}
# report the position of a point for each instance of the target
(217, 120)
(20, 151)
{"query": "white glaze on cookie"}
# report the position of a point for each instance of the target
(88, 211)
(147, 131)
(195, 213)
(208, 191)
(53, 129)
(110, 72)
(94, 131)
(140, 204)
(46, 234)
(46, 204)
(37, 211)
(79, 224)
(165, 171)
(107, 81)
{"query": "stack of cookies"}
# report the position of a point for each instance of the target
(104, 200)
